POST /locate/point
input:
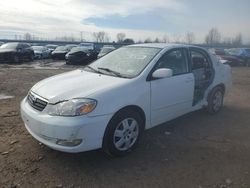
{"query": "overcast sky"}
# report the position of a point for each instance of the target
(139, 19)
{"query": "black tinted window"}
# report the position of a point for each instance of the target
(199, 60)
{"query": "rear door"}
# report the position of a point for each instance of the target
(172, 97)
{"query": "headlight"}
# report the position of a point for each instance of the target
(73, 107)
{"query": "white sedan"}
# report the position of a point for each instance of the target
(109, 103)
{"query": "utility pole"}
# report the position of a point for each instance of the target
(81, 35)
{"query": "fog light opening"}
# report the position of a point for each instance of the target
(69, 143)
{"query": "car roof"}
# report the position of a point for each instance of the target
(164, 45)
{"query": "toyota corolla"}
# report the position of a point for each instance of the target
(109, 103)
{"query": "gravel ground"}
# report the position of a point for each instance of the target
(194, 151)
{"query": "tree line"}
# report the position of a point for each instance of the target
(213, 37)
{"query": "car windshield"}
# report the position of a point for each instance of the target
(126, 61)
(38, 48)
(247, 50)
(234, 51)
(77, 49)
(9, 45)
(51, 46)
(220, 52)
(87, 44)
(61, 48)
(106, 50)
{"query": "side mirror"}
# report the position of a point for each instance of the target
(162, 73)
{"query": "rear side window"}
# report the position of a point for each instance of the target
(175, 60)
(199, 60)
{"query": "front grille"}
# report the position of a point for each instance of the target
(36, 102)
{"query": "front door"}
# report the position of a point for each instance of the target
(172, 97)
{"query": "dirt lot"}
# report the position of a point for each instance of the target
(195, 151)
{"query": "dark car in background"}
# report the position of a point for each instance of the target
(51, 47)
(242, 53)
(232, 60)
(105, 50)
(41, 52)
(80, 55)
(61, 51)
(16, 52)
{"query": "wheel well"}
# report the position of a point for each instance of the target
(222, 86)
(134, 108)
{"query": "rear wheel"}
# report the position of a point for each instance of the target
(31, 57)
(215, 100)
(123, 133)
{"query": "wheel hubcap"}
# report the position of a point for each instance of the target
(217, 101)
(126, 134)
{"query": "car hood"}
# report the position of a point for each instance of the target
(59, 52)
(75, 84)
(2, 50)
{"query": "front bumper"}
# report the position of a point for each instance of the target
(49, 129)
(60, 56)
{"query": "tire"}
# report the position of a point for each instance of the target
(215, 100)
(122, 133)
(16, 59)
(31, 58)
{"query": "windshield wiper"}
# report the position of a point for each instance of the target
(91, 68)
(112, 71)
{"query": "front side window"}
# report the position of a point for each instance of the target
(175, 60)
(126, 61)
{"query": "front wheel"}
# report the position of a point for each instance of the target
(123, 133)
(31, 57)
(215, 100)
(16, 59)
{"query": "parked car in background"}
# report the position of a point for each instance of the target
(224, 56)
(80, 55)
(51, 47)
(242, 53)
(105, 50)
(1, 43)
(60, 52)
(16, 52)
(109, 103)
(88, 45)
(41, 52)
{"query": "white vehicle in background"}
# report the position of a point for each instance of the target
(105, 50)
(1, 43)
(41, 52)
(87, 45)
(109, 103)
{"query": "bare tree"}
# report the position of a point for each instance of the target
(27, 36)
(148, 40)
(157, 40)
(227, 41)
(101, 36)
(190, 37)
(237, 41)
(120, 37)
(128, 41)
(178, 39)
(165, 39)
(213, 36)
